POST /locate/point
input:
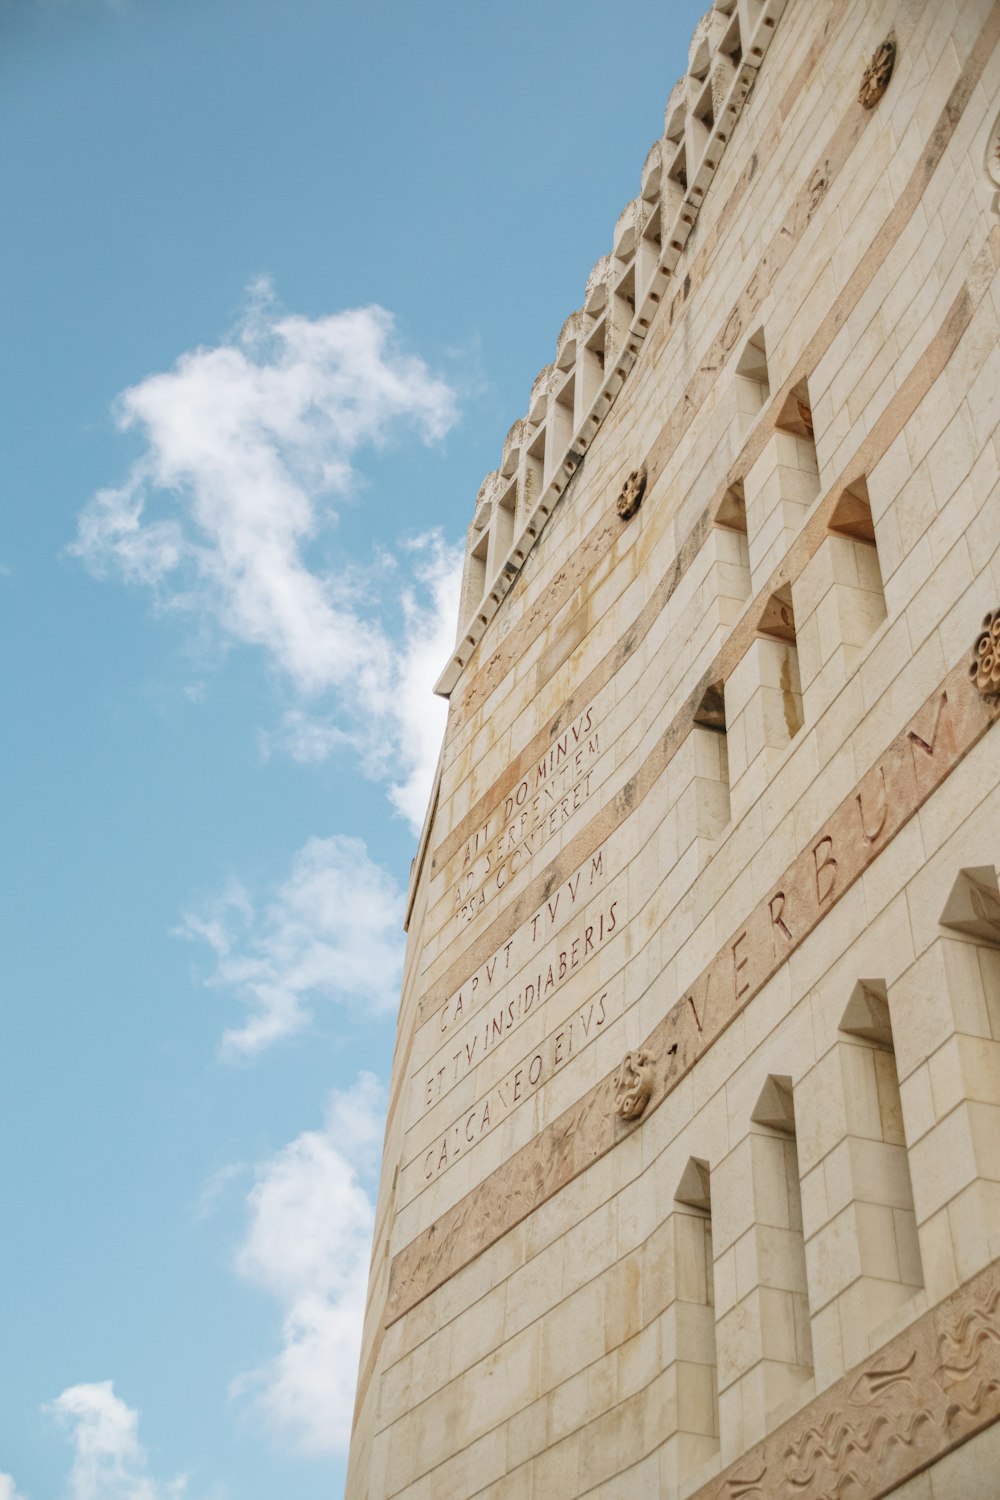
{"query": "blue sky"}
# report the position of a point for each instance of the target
(277, 276)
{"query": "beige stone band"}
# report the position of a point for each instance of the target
(931, 1388)
(916, 762)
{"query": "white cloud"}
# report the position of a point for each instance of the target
(308, 1244)
(109, 1461)
(8, 1490)
(249, 447)
(430, 638)
(332, 930)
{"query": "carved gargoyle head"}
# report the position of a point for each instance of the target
(634, 1084)
(875, 79)
(632, 492)
(984, 669)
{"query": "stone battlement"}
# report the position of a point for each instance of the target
(598, 343)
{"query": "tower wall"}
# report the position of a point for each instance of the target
(692, 1171)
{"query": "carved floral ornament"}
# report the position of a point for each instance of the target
(633, 1084)
(984, 669)
(875, 79)
(632, 492)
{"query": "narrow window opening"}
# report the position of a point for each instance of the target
(860, 599)
(883, 1191)
(621, 311)
(786, 1334)
(778, 617)
(677, 170)
(532, 477)
(703, 110)
(647, 255)
(559, 428)
(731, 45)
(852, 514)
(502, 530)
(697, 1438)
(713, 809)
(753, 390)
(732, 554)
(796, 441)
(474, 578)
(795, 415)
(973, 905)
(731, 512)
(781, 684)
(589, 371)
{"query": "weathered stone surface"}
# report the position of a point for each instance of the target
(691, 1179)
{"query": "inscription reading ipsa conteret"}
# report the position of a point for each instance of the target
(527, 817)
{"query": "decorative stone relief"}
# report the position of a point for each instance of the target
(984, 668)
(632, 492)
(927, 1390)
(633, 1084)
(746, 1486)
(875, 79)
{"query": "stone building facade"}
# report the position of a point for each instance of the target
(692, 1169)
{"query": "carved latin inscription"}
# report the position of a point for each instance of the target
(632, 492)
(984, 669)
(582, 1026)
(524, 821)
(634, 1084)
(875, 79)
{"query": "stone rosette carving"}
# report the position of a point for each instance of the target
(875, 78)
(984, 669)
(632, 492)
(633, 1084)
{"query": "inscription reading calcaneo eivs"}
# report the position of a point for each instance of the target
(582, 1026)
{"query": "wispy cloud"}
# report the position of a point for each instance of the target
(109, 1461)
(331, 931)
(229, 516)
(8, 1491)
(308, 1244)
(214, 1190)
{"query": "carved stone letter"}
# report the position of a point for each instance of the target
(633, 1084)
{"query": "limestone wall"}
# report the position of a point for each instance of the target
(692, 1169)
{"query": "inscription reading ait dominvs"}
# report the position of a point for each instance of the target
(527, 817)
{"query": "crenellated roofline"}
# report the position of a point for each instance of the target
(599, 343)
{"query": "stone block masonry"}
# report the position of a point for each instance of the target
(691, 1183)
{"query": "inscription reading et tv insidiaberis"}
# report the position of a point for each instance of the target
(480, 1029)
(527, 817)
(552, 1054)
